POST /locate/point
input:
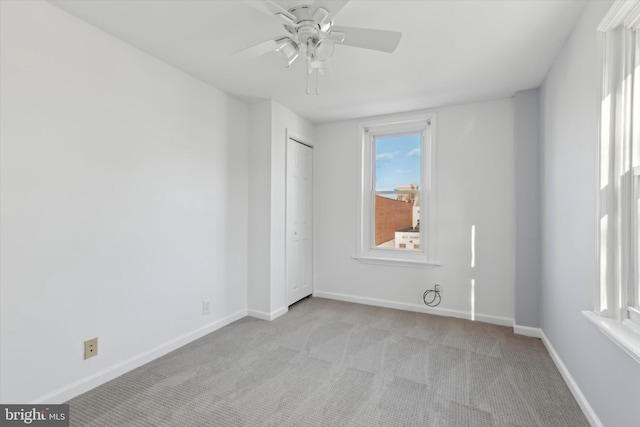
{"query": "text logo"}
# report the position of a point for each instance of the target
(34, 415)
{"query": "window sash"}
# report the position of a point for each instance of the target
(388, 133)
(393, 131)
(634, 252)
(423, 234)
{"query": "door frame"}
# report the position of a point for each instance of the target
(294, 137)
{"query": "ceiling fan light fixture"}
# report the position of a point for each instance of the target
(322, 49)
(320, 15)
(287, 51)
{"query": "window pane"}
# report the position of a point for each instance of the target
(397, 162)
(397, 221)
(397, 213)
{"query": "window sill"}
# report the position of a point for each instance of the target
(397, 262)
(625, 334)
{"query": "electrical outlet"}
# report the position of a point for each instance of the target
(206, 307)
(91, 348)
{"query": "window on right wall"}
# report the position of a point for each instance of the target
(617, 307)
(634, 252)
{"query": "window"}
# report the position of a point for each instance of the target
(617, 310)
(397, 203)
(634, 291)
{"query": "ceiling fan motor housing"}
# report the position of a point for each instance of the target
(307, 30)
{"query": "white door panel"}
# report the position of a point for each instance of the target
(299, 220)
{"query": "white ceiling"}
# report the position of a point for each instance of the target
(451, 51)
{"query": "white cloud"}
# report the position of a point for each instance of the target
(386, 156)
(414, 153)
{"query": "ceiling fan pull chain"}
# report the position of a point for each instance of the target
(308, 72)
(317, 79)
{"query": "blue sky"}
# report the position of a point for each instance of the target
(397, 161)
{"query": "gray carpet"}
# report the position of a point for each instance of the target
(331, 363)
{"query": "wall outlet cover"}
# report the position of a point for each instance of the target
(91, 348)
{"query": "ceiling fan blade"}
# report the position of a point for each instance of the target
(257, 50)
(270, 8)
(336, 36)
(382, 40)
(331, 6)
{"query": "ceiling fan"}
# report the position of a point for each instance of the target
(309, 31)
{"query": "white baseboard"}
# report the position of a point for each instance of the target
(527, 331)
(496, 320)
(72, 390)
(588, 411)
(262, 315)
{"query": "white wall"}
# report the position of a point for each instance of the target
(608, 378)
(258, 289)
(527, 204)
(475, 186)
(124, 205)
(270, 125)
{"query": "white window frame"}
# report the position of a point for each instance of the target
(633, 303)
(366, 251)
(616, 312)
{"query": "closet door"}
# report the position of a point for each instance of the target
(299, 257)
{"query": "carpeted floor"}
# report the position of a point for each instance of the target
(332, 363)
